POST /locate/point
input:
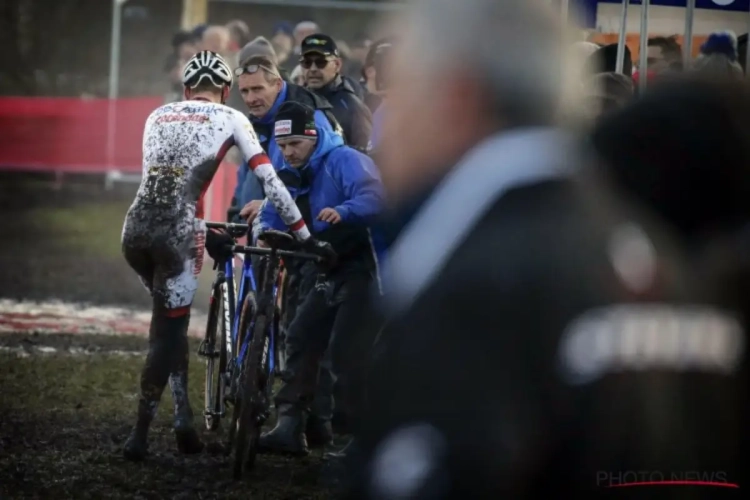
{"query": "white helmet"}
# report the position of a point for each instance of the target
(207, 64)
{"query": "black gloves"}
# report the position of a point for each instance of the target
(218, 245)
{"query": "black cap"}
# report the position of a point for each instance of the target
(320, 43)
(294, 119)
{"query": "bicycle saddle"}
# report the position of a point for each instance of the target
(277, 239)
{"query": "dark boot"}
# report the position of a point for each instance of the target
(319, 432)
(185, 434)
(136, 446)
(288, 436)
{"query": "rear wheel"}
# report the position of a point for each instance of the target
(213, 349)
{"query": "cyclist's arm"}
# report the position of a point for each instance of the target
(260, 165)
(268, 218)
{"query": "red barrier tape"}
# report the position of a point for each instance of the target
(49, 134)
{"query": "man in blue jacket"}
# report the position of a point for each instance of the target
(264, 90)
(338, 191)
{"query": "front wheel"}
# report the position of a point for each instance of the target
(213, 349)
(248, 410)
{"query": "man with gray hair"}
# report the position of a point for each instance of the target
(489, 378)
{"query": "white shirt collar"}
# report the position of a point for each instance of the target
(501, 162)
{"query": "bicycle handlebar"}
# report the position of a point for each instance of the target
(229, 226)
(281, 253)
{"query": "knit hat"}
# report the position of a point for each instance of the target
(294, 119)
(260, 46)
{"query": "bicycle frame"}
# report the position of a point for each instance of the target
(247, 283)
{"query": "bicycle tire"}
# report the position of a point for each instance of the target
(247, 312)
(247, 424)
(213, 385)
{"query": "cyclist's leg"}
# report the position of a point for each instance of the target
(139, 259)
(179, 292)
(174, 286)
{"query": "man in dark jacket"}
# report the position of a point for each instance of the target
(515, 358)
(338, 190)
(321, 65)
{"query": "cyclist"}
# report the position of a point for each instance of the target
(164, 235)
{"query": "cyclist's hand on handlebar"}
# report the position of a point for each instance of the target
(322, 249)
(250, 211)
(217, 245)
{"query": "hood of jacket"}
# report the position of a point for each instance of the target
(327, 142)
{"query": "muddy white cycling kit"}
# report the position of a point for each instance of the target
(163, 237)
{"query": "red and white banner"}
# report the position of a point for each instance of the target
(71, 135)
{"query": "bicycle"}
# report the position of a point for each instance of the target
(250, 369)
(223, 306)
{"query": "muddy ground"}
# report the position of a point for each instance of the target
(67, 401)
(64, 416)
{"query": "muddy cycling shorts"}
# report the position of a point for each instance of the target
(167, 259)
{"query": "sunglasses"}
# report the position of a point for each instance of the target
(319, 62)
(251, 69)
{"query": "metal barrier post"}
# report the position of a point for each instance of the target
(643, 47)
(687, 39)
(622, 37)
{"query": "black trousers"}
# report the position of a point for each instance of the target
(324, 329)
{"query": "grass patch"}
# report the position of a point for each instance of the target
(101, 386)
(64, 418)
(94, 229)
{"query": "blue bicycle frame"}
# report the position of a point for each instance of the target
(247, 284)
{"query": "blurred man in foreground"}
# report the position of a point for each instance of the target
(521, 354)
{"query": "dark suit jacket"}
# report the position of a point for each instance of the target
(472, 382)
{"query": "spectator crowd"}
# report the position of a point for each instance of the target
(283, 47)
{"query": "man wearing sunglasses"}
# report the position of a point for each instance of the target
(321, 66)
